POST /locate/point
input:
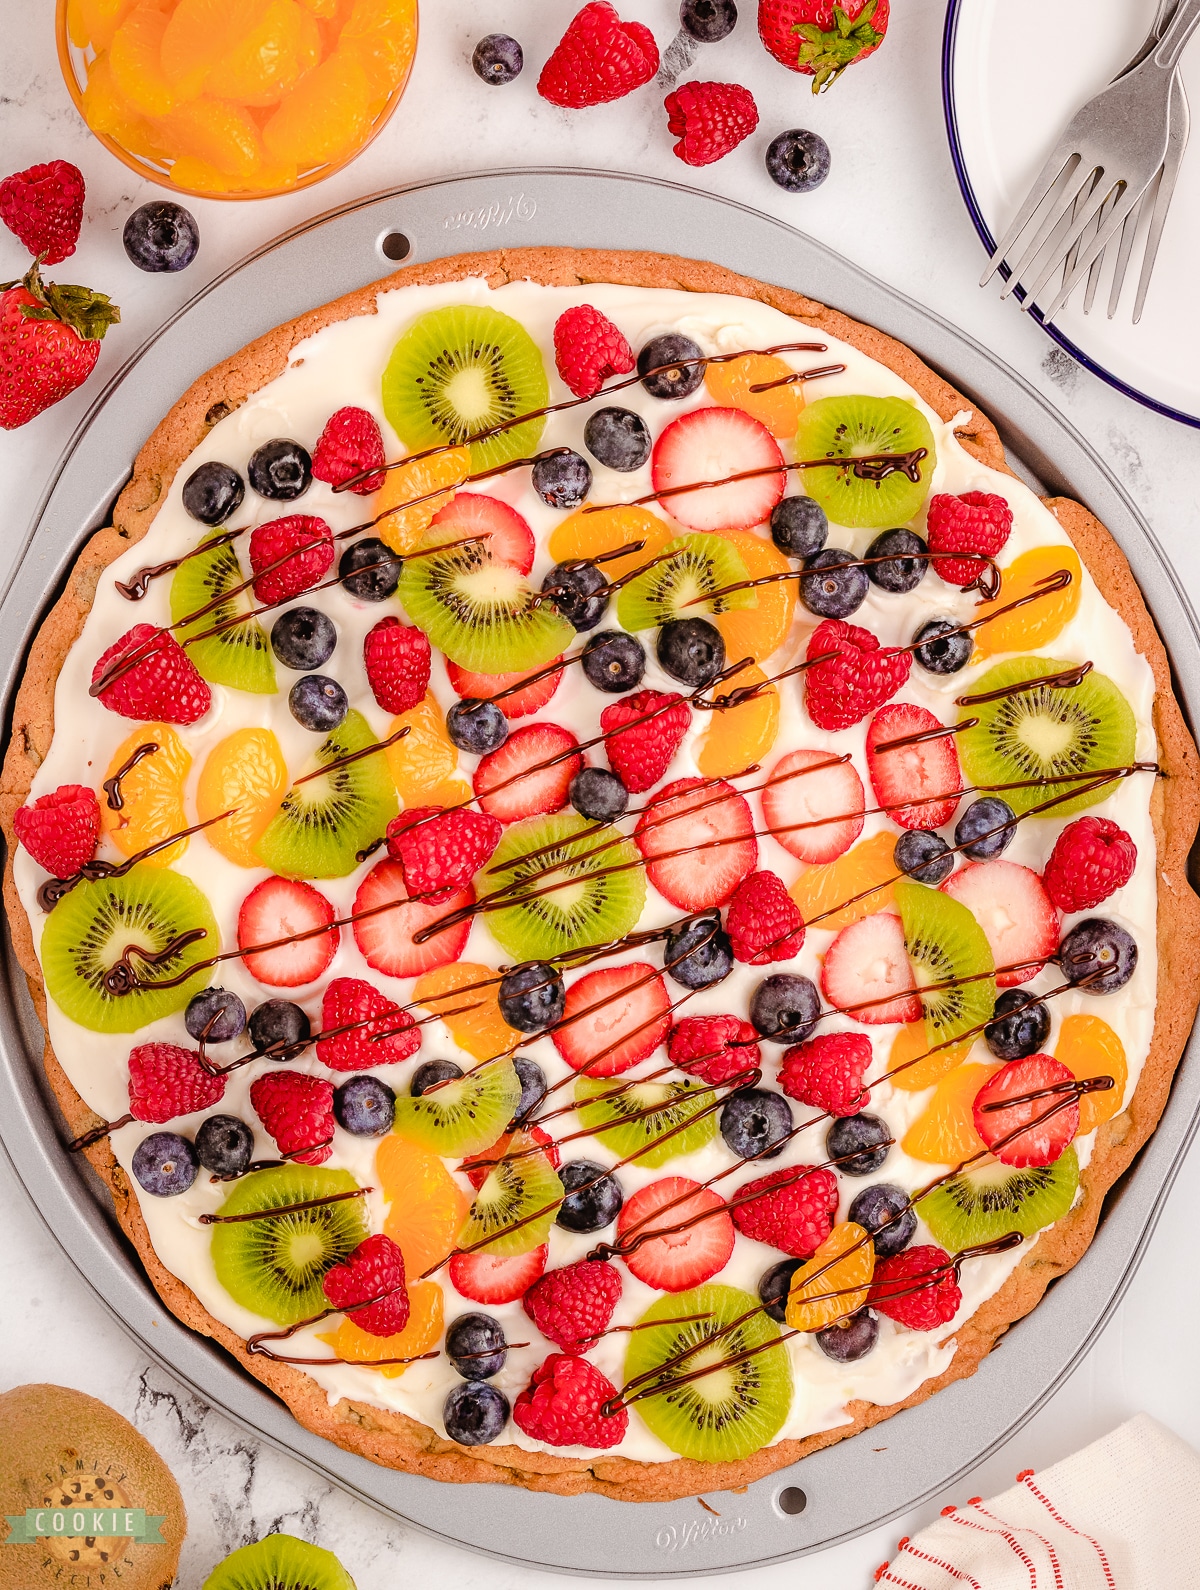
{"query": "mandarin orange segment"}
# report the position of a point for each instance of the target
(1036, 624)
(95, 22)
(426, 759)
(264, 62)
(403, 528)
(325, 117)
(586, 535)
(868, 866)
(106, 111)
(779, 409)
(427, 1207)
(944, 1132)
(842, 1266)
(151, 795)
(426, 1309)
(200, 32)
(740, 736)
(1088, 1047)
(759, 631)
(219, 134)
(383, 36)
(482, 1032)
(910, 1049)
(136, 60)
(245, 774)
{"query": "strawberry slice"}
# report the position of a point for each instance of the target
(1041, 1144)
(913, 772)
(488, 1278)
(714, 444)
(482, 687)
(704, 834)
(612, 1019)
(276, 913)
(1011, 905)
(792, 797)
(868, 961)
(678, 1259)
(510, 540)
(386, 939)
(478, 1167)
(530, 774)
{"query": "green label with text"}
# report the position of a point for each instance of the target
(41, 1523)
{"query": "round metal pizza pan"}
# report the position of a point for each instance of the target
(857, 1484)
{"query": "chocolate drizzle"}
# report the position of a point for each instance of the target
(112, 786)
(52, 890)
(290, 1209)
(1066, 680)
(134, 589)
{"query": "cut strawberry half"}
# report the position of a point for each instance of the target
(1056, 1113)
(794, 797)
(510, 540)
(698, 840)
(479, 1166)
(529, 775)
(482, 687)
(1011, 905)
(489, 1278)
(386, 938)
(867, 972)
(916, 771)
(612, 1019)
(292, 918)
(678, 1259)
(714, 444)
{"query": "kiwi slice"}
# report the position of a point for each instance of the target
(275, 1266)
(465, 1115)
(240, 655)
(90, 929)
(456, 372)
(675, 1127)
(982, 1204)
(280, 1562)
(323, 823)
(699, 565)
(944, 940)
(735, 1410)
(514, 1190)
(1046, 732)
(857, 427)
(591, 905)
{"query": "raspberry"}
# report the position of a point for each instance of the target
(714, 1048)
(398, 659)
(162, 684)
(644, 732)
(827, 1072)
(588, 348)
(298, 1113)
(166, 1081)
(978, 521)
(441, 851)
(43, 207)
(1092, 858)
(60, 830)
(374, 1270)
(860, 677)
(599, 58)
(764, 922)
(794, 1211)
(349, 443)
(381, 1034)
(289, 556)
(709, 119)
(572, 1305)
(562, 1405)
(917, 1288)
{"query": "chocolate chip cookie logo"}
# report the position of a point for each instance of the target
(678, 1537)
(58, 1523)
(515, 208)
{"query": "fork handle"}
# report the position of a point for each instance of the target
(1179, 30)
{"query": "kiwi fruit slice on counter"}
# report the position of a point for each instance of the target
(275, 1266)
(1046, 732)
(591, 907)
(465, 1115)
(981, 1204)
(323, 823)
(458, 371)
(280, 1562)
(676, 1126)
(944, 940)
(699, 565)
(90, 929)
(737, 1409)
(857, 427)
(514, 1190)
(239, 656)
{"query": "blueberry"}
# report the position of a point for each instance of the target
(532, 998)
(698, 954)
(940, 650)
(1097, 945)
(281, 470)
(533, 1088)
(798, 160)
(431, 1072)
(859, 1143)
(563, 480)
(224, 1145)
(598, 794)
(785, 1007)
(691, 650)
(903, 571)
(475, 1413)
(161, 236)
(477, 726)
(598, 1202)
(924, 856)
(669, 356)
(476, 1346)
(708, 20)
(1019, 1026)
(369, 570)
(618, 439)
(847, 1340)
(497, 59)
(614, 661)
(318, 703)
(278, 1024)
(165, 1164)
(755, 1123)
(580, 594)
(832, 585)
(774, 1286)
(303, 638)
(364, 1106)
(215, 1015)
(887, 1213)
(981, 831)
(799, 526)
(212, 492)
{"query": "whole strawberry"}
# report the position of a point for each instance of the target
(350, 443)
(161, 683)
(373, 1276)
(441, 851)
(43, 206)
(562, 1405)
(599, 58)
(978, 521)
(791, 1209)
(49, 342)
(363, 1028)
(827, 1072)
(821, 38)
(714, 1048)
(709, 119)
(857, 676)
(644, 732)
(764, 922)
(398, 660)
(60, 830)
(166, 1081)
(1092, 858)
(917, 1288)
(588, 349)
(573, 1305)
(298, 1113)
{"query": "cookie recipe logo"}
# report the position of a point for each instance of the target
(75, 1523)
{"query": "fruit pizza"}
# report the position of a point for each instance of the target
(606, 886)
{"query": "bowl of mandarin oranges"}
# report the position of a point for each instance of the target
(236, 99)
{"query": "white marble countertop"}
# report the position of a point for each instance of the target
(891, 205)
